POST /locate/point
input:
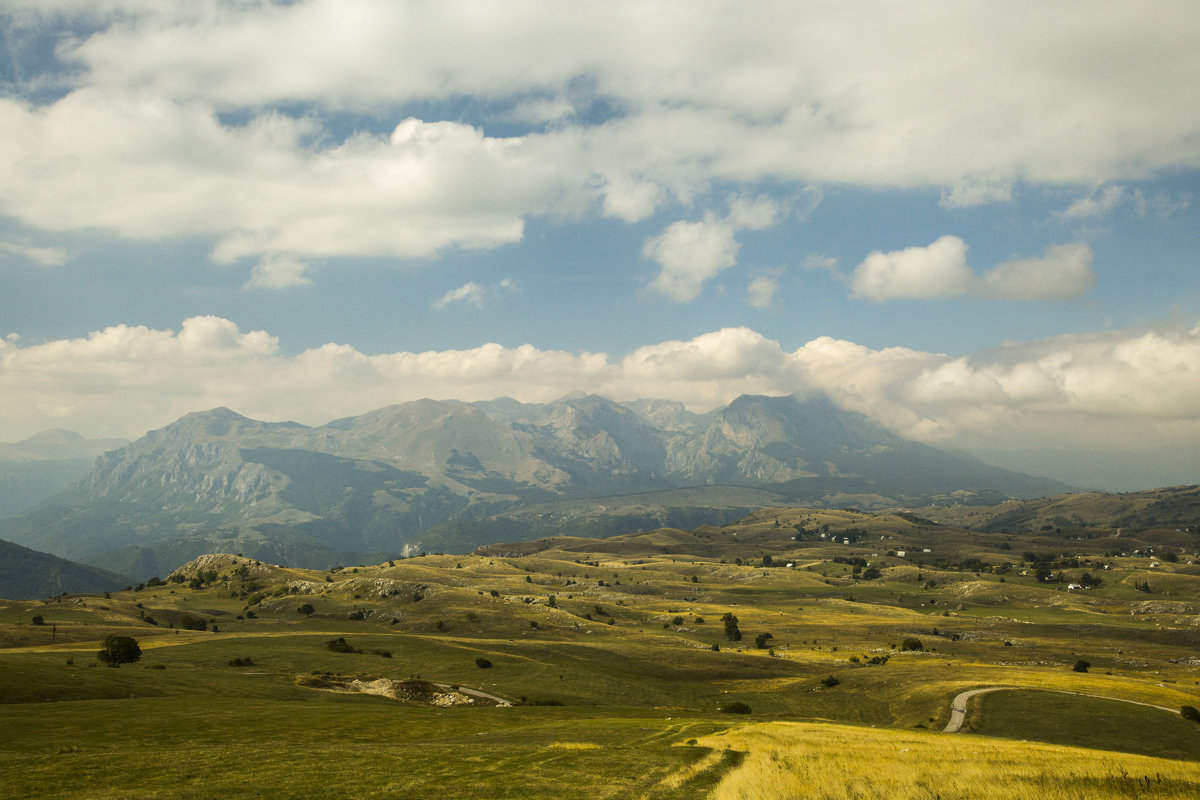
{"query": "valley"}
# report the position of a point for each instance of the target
(769, 657)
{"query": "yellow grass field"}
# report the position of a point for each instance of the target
(787, 760)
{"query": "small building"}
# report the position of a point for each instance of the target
(901, 553)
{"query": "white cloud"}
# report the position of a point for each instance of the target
(820, 261)
(278, 272)
(972, 100)
(151, 168)
(761, 291)
(1117, 389)
(1160, 204)
(43, 256)
(690, 253)
(1098, 203)
(1064, 271)
(969, 193)
(472, 294)
(940, 270)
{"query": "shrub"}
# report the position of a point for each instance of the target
(306, 609)
(241, 662)
(911, 643)
(1081, 666)
(829, 682)
(483, 663)
(760, 641)
(117, 650)
(38, 620)
(736, 707)
(1190, 712)
(340, 645)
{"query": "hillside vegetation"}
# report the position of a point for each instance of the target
(796, 652)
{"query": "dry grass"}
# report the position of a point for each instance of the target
(835, 762)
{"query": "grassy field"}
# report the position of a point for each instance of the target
(616, 658)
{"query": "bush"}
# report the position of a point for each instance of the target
(38, 620)
(306, 609)
(830, 682)
(1190, 712)
(1081, 666)
(911, 643)
(761, 640)
(117, 650)
(241, 662)
(340, 645)
(483, 663)
(736, 707)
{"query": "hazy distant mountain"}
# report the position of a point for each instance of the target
(43, 465)
(26, 573)
(445, 473)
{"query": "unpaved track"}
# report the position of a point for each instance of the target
(958, 706)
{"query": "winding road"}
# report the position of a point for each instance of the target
(958, 706)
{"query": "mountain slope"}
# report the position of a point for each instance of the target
(26, 573)
(390, 481)
(43, 465)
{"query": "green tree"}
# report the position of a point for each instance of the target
(732, 632)
(117, 650)
(306, 609)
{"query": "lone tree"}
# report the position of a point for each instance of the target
(306, 609)
(732, 632)
(117, 650)
(1081, 666)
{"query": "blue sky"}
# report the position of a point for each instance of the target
(974, 222)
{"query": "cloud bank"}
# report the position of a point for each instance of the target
(1117, 389)
(213, 118)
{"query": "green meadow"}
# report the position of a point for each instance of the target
(608, 668)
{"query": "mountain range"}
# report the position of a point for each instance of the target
(42, 465)
(450, 476)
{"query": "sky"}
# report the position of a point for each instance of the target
(975, 222)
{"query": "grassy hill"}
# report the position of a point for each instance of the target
(605, 668)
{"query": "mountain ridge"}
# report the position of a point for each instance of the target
(389, 480)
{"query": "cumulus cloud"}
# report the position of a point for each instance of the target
(625, 107)
(692, 253)
(43, 256)
(1118, 389)
(1064, 271)
(940, 270)
(278, 272)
